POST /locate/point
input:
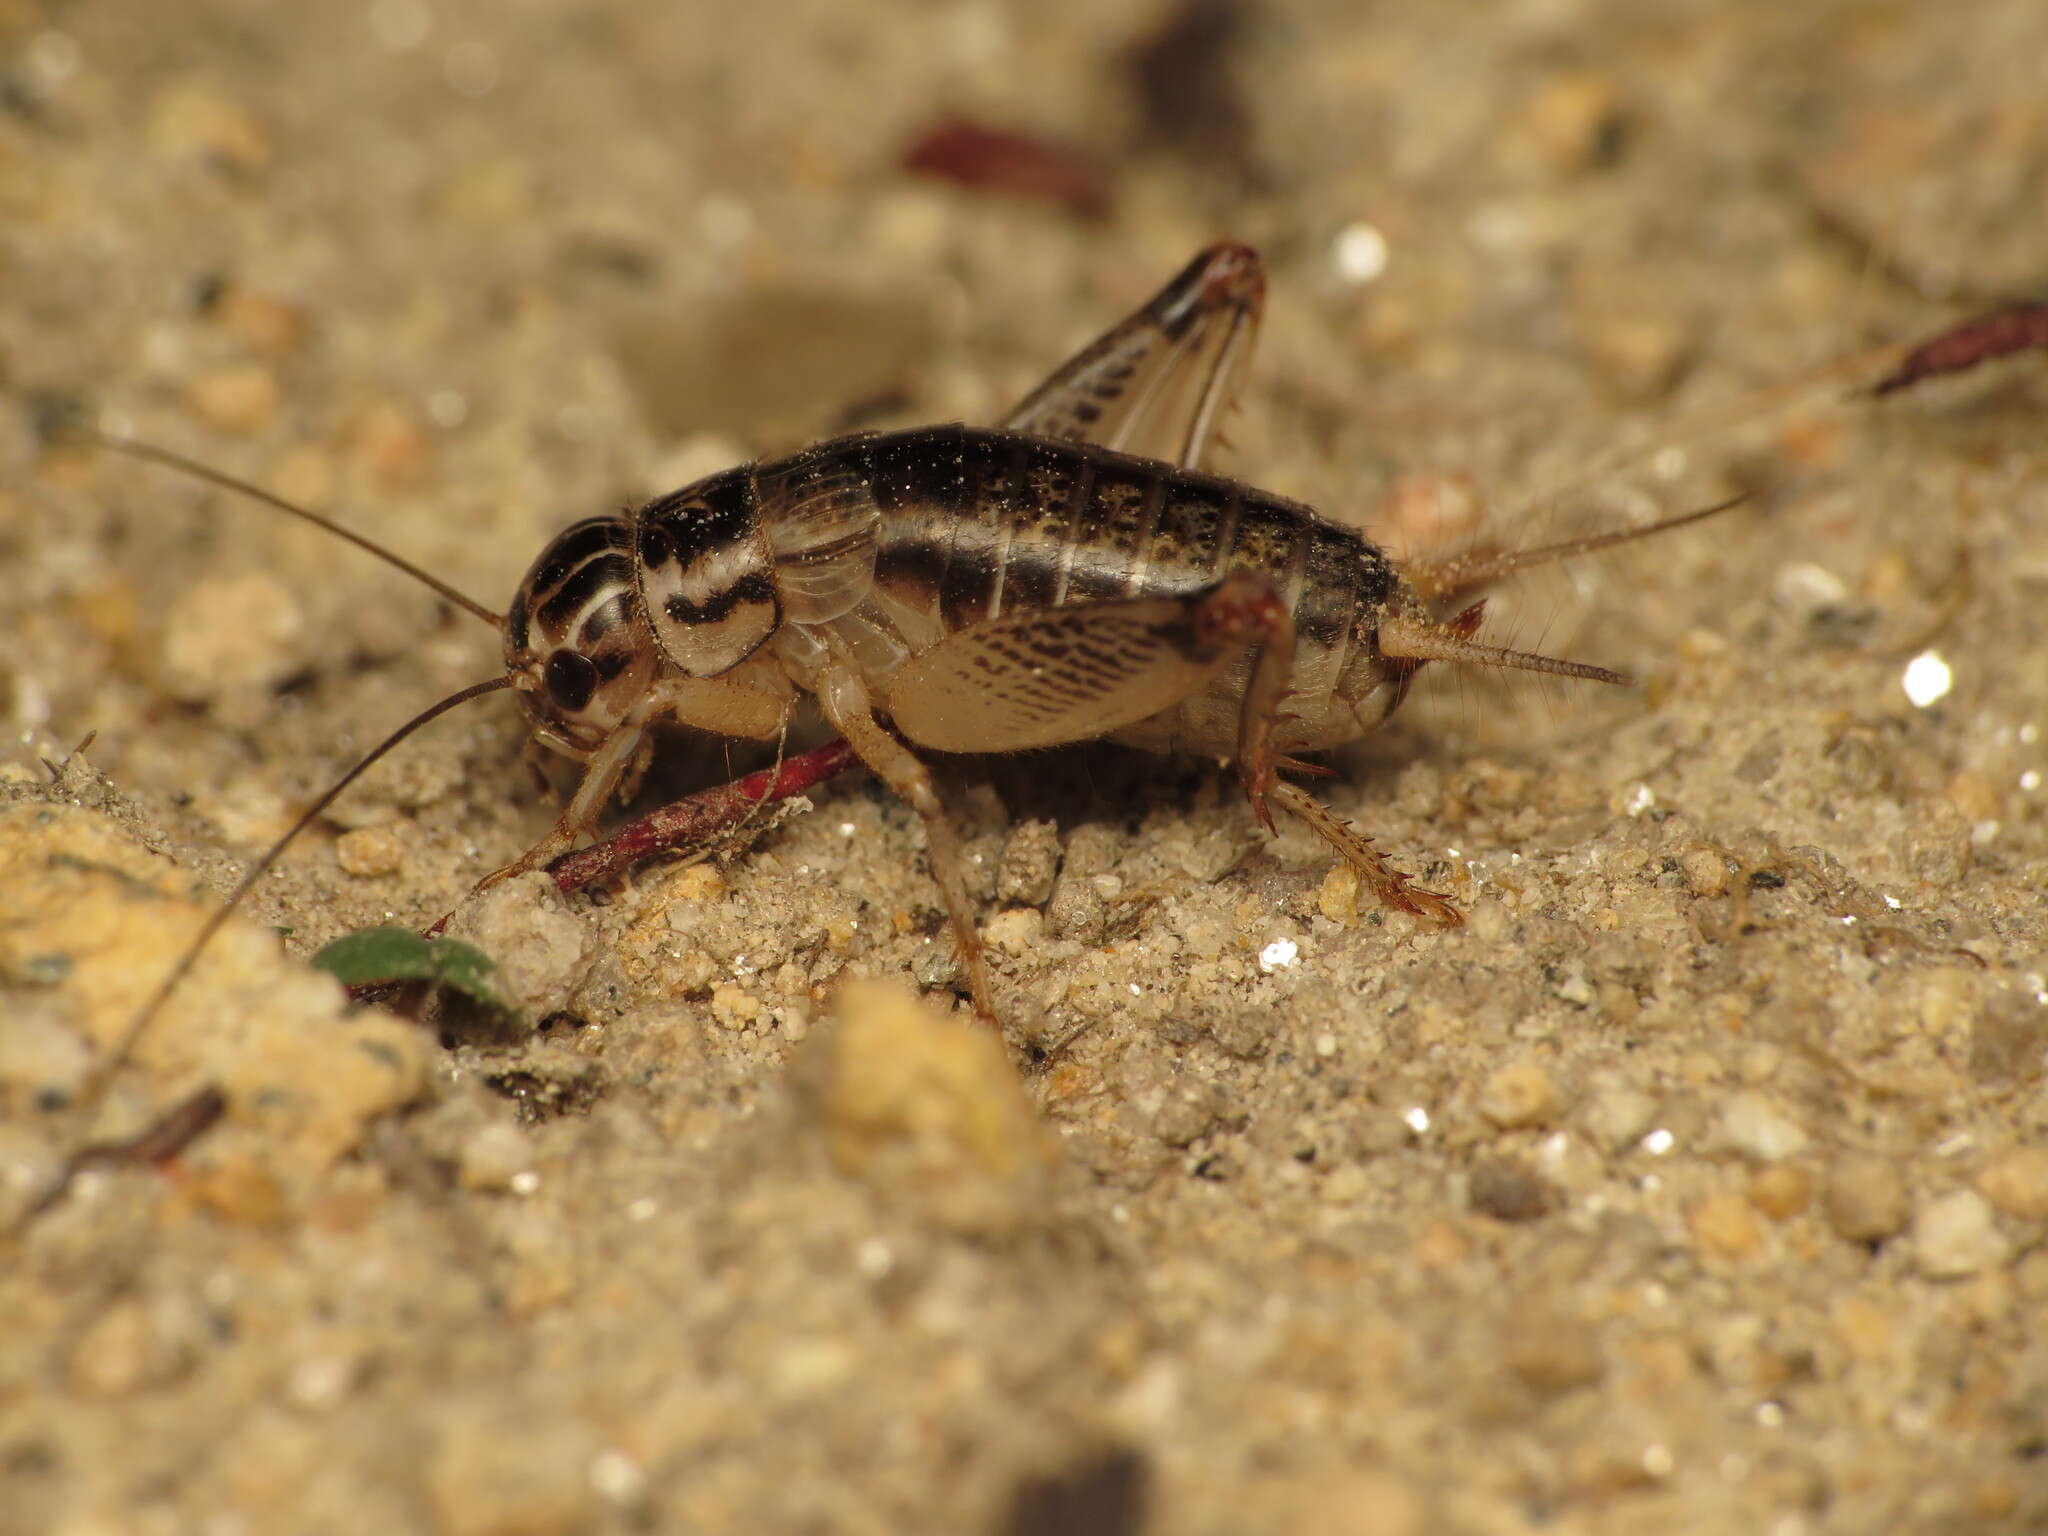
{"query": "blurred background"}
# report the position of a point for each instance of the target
(464, 271)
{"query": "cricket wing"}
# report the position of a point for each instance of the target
(1042, 677)
(1158, 383)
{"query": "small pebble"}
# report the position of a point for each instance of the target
(242, 398)
(699, 883)
(40, 1056)
(237, 1190)
(733, 1007)
(1245, 1033)
(1615, 1117)
(912, 1098)
(1976, 796)
(112, 1359)
(1507, 1191)
(539, 946)
(2017, 1183)
(1781, 1191)
(489, 1470)
(1865, 1200)
(229, 635)
(1575, 987)
(936, 966)
(1573, 121)
(1865, 1327)
(1366, 1501)
(1187, 1112)
(1077, 911)
(389, 443)
(1806, 589)
(1019, 931)
(1553, 1354)
(369, 851)
(495, 1156)
(1337, 896)
(193, 119)
(1757, 1128)
(267, 324)
(1957, 1234)
(1430, 513)
(305, 475)
(1518, 1094)
(1490, 921)
(1029, 865)
(1705, 869)
(1725, 1226)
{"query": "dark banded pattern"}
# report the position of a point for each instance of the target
(970, 524)
(705, 573)
(894, 541)
(575, 626)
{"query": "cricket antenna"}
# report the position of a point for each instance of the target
(101, 1078)
(1474, 569)
(150, 453)
(1414, 640)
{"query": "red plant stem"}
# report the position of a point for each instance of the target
(687, 824)
(692, 821)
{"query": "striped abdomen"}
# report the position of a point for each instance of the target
(975, 523)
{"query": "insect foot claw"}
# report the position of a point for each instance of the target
(539, 856)
(1258, 784)
(1438, 909)
(1306, 770)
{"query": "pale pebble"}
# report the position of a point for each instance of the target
(1756, 1127)
(1518, 1094)
(495, 1156)
(1957, 1234)
(1866, 1198)
(2016, 1182)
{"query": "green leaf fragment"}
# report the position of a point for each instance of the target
(378, 955)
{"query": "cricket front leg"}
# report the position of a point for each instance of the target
(602, 774)
(844, 699)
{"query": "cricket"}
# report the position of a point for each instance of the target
(1078, 571)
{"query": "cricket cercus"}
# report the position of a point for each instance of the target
(1077, 571)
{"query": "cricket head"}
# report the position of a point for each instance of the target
(576, 647)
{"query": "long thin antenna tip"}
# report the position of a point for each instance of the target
(74, 425)
(98, 1080)
(1469, 572)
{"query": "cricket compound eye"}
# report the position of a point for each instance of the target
(570, 678)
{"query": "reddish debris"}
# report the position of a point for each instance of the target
(1962, 347)
(985, 159)
(689, 824)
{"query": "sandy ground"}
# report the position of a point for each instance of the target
(1698, 1184)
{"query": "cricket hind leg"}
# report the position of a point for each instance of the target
(1389, 886)
(1259, 767)
(1043, 678)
